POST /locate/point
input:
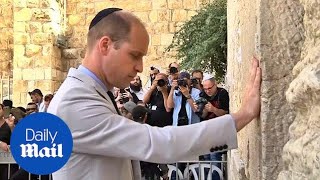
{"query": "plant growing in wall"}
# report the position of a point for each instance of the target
(201, 43)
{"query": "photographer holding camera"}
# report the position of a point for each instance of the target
(156, 97)
(214, 102)
(153, 73)
(173, 72)
(181, 99)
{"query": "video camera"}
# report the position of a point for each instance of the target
(201, 102)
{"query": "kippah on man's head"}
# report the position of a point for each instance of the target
(103, 13)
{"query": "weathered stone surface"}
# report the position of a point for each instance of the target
(189, 4)
(32, 50)
(74, 19)
(20, 3)
(153, 16)
(164, 15)
(42, 15)
(21, 38)
(179, 15)
(33, 3)
(42, 38)
(70, 53)
(25, 14)
(159, 4)
(19, 27)
(175, 4)
(34, 27)
(166, 39)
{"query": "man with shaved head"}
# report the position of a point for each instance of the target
(107, 145)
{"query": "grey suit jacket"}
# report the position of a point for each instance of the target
(105, 143)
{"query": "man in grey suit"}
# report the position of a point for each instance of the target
(106, 145)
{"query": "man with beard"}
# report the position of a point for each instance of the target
(136, 89)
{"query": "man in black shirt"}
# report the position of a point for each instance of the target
(156, 98)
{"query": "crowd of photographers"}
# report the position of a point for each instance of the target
(9, 117)
(173, 98)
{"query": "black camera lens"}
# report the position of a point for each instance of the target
(161, 82)
(194, 81)
(182, 82)
(201, 102)
(173, 70)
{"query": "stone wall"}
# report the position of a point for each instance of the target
(161, 17)
(36, 61)
(301, 154)
(275, 31)
(6, 47)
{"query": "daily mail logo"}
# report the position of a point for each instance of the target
(41, 143)
(32, 150)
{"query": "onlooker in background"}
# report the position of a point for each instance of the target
(127, 109)
(156, 98)
(136, 89)
(37, 97)
(6, 127)
(173, 72)
(31, 108)
(16, 112)
(47, 100)
(153, 73)
(182, 101)
(196, 80)
(217, 105)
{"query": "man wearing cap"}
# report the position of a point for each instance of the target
(37, 98)
(181, 98)
(106, 145)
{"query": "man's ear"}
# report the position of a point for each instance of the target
(105, 44)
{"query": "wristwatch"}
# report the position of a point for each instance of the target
(188, 97)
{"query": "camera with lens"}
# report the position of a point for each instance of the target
(201, 102)
(194, 81)
(173, 70)
(182, 82)
(161, 82)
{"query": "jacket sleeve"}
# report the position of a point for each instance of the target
(97, 130)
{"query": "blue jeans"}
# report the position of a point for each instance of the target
(214, 157)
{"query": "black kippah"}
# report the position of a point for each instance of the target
(101, 15)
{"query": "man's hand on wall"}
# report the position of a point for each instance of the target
(250, 107)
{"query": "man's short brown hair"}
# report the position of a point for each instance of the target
(116, 25)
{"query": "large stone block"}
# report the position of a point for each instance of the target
(41, 15)
(179, 15)
(23, 63)
(19, 27)
(3, 43)
(20, 3)
(21, 38)
(39, 74)
(48, 73)
(44, 85)
(19, 51)
(42, 61)
(189, 4)
(166, 39)
(153, 16)
(32, 50)
(175, 4)
(143, 16)
(164, 15)
(42, 38)
(76, 20)
(159, 4)
(6, 55)
(24, 14)
(17, 73)
(34, 27)
(104, 4)
(33, 3)
(71, 8)
(155, 40)
(28, 74)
